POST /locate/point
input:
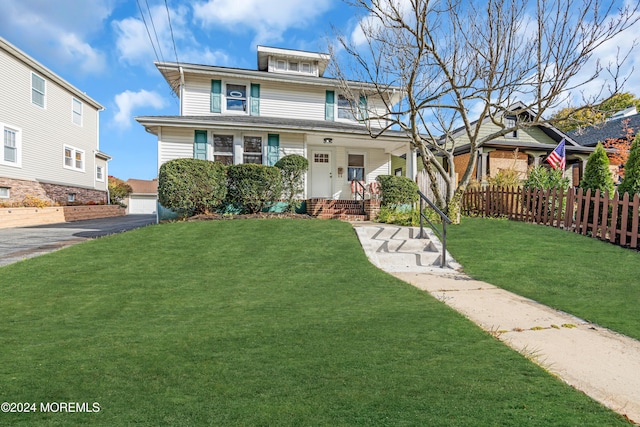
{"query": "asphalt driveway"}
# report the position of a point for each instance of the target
(26, 242)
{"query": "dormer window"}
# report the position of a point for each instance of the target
(293, 66)
(237, 98)
(281, 65)
(306, 67)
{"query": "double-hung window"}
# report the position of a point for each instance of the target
(237, 98)
(76, 112)
(11, 146)
(510, 122)
(73, 158)
(355, 170)
(99, 173)
(252, 150)
(223, 149)
(38, 90)
(345, 109)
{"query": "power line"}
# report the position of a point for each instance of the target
(154, 30)
(148, 33)
(171, 29)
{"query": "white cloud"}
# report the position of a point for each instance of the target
(134, 45)
(128, 101)
(56, 35)
(268, 19)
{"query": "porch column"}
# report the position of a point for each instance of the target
(536, 156)
(484, 173)
(412, 164)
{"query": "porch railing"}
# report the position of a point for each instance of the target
(358, 189)
(445, 220)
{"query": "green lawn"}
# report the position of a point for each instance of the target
(594, 280)
(255, 322)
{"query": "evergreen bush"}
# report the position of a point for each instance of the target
(192, 186)
(397, 190)
(253, 187)
(631, 181)
(292, 167)
(597, 175)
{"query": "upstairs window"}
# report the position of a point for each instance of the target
(73, 158)
(345, 110)
(237, 98)
(76, 112)
(99, 173)
(252, 150)
(293, 66)
(306, 67)
(281, 65)
(38, 88)
(511, 121)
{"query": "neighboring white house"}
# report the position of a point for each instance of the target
(284, 107)
(50, 135)
(144, 198)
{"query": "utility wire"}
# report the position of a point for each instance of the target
(148, 33)
(153, 25)
(171, 29)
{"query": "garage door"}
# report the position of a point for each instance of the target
(142, 205)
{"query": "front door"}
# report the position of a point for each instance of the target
(321, 174)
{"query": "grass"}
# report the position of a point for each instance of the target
(593, 280)
(255, 322)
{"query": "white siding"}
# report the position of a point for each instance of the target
(45, 130)
(292, 101)
(175, 143)
(197, 97)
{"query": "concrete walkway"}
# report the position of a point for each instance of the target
(603, 364)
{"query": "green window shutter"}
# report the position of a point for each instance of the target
(216, 96)
(255, 99)
(362, 107)
(273, 149)
(329, 105)
(200, 145)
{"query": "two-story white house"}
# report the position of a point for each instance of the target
(50, 137)
(283, 107)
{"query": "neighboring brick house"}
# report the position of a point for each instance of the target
(613, 129)
(50, 136)
(285, 106)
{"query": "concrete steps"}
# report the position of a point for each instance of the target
(398, 249)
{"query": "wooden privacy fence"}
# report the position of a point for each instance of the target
(602, 216)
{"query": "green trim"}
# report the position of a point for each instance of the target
(216, 96)
(273, 149)
(362, 107)
(255, 99)
(329, 107)
(200, 145)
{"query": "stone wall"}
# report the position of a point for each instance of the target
(23, 217)
(52, 193)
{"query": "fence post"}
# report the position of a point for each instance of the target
(634, 223)
(613, 227)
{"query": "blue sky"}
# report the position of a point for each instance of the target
(102, 47)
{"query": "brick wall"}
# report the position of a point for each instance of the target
(52, 193)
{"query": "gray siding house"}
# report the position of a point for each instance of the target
(50, 136)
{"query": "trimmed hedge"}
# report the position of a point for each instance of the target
(192, 186)
(253, 187)
(597, 175)
(292, 167)
(397, 190)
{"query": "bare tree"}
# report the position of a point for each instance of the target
(461, 62)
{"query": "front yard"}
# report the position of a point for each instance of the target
(596, 281)
(256, 322)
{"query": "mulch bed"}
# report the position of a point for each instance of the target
(261, 215)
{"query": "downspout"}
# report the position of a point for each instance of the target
(181, 89)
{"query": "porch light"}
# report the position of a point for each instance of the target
(328, 140)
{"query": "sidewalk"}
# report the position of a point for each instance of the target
(601, 363)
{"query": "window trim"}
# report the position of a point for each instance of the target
(353, 117)
(101, 169)
(247, 97)
(43, 93)
(74, 152)
(251, 153)
(73, 111)
(18, 146)
(223, 153)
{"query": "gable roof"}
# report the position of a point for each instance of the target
(590, 136)
(142, 186)
(44, 71)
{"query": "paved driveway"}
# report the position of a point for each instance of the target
(26, 242)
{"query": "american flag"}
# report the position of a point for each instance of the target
(557, 158)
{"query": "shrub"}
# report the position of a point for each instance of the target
(292, 168)
(191, 185)
(30, 201)
(545, 178)
(397, 190)
(253, 186)
(631, 181)
(597, 175)
(118, 190)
